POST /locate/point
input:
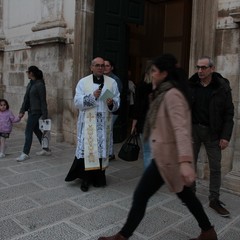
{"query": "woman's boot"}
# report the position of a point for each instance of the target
(118, 236)
(207, 235)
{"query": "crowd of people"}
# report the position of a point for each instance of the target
(173, 115)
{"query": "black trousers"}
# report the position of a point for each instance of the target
(150, 182)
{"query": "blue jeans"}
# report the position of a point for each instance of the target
(149, 184)
(201, 136)
(31, 127)
(147, 153)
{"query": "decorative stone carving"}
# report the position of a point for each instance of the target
(236, 17)
(51, 15)
(49, 24)
(46, 41)
(52, 27)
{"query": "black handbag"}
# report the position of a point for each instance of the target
(130, 149)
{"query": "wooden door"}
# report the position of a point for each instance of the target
(110, 32)
(166, 29)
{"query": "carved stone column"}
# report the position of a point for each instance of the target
(232, 180)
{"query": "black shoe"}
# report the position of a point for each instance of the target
(84, 186)
(217, 206)
(97, 185)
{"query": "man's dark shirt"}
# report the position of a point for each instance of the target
(200, 108)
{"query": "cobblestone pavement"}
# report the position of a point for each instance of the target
(37, 204)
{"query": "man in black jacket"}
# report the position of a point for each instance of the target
(212, 118)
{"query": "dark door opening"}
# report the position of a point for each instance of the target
(130, 32)
(166, 29)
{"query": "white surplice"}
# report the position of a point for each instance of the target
(94, 114)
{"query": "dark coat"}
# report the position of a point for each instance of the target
(35, 98)
(141, 104)
(221, 108)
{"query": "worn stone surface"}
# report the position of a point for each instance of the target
(46, 207)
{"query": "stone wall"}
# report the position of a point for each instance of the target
(40, 33)
(216, 33)
(228, 62)
(227, 53)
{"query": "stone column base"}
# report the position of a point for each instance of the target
(232, 181)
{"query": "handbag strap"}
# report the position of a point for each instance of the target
(132, 138)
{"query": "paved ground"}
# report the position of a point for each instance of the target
(36, 203)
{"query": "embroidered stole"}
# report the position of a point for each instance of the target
(91, 157)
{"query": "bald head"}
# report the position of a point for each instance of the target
(97, 66)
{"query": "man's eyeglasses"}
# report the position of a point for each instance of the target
(202, 67)
(99, 65)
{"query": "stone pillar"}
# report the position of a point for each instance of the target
(232, 180)
(83, 38)
(204, 15)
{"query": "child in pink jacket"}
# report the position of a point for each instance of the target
(6, 122)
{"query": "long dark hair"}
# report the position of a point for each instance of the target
(38, 74)
(176, 75)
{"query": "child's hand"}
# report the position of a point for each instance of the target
(21, 115)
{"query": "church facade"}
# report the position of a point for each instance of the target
(62, 36)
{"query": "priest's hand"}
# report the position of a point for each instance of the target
(97, 93)
(110, 103)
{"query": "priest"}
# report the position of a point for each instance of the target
(97, 96)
